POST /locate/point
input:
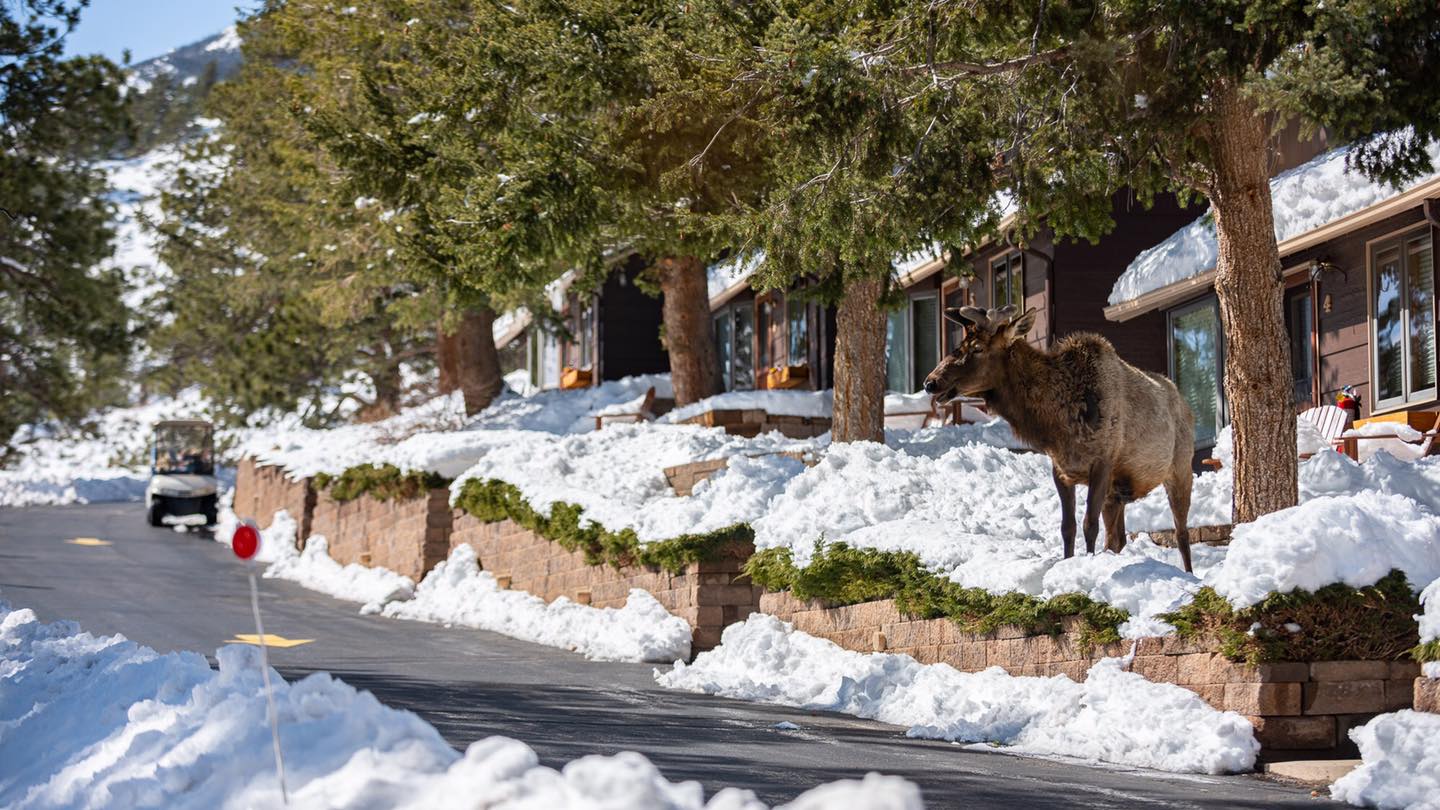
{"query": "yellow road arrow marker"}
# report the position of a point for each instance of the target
(271, 640)
(88, 541)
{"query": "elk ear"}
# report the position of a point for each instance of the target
(1021, 326)
(952, 314)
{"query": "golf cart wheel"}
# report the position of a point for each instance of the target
(156, 516)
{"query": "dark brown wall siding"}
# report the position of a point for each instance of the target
(1345, 330)
(1085, 273)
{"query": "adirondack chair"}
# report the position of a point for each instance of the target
(1424, 446)
(954, 413)
(636, 410)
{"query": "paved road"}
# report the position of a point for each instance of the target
(183, 592)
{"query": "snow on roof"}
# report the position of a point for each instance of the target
(1306, 197)
(721, 276)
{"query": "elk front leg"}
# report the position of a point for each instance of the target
(1095, 502)
(1067, 512)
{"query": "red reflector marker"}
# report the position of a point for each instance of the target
(246, 541)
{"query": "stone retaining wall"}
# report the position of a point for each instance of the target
(407, 536)
(261, 491)
(705, 594)
(1294, 705)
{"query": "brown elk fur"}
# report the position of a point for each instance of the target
(1103, 423)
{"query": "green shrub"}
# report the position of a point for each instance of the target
(841, 575)
(1429, 651)
(380, 481)
(1337, 623)
(492, 501)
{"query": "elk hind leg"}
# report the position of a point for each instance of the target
(1114, 525)
(1178, 491)
(1095, 502)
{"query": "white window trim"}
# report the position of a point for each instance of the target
(1406, 400)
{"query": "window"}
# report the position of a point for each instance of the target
(1008, 281)
(772, 332)
(1196, 366)
(797, 328)
(1402, 300)
(897, 356)
(954, 299)
(1299, 315)
(925, 337)
(743, 369)
(725, 348)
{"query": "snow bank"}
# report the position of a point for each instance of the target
(1355, 539)
(315, 569)
(89, 722)
(1304, 198)
(766, 659)
(457, 592)
(617, 475)
(437, 436)
(776, 403)
(1400, 763)
(110, 462)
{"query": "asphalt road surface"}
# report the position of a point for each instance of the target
(175, 591)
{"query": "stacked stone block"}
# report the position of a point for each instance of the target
(408, 536)
(1293, 705)
(1427, 695)
(709, 595)
(261, 491)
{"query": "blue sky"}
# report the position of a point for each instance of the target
(149, 27)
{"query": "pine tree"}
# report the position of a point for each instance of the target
(284, 291)
(61, 318)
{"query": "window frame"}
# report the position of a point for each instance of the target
(1008, 265)
(926, 295)
(1400, 240)
(1212, 302)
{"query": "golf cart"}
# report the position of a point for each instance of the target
(182, 472)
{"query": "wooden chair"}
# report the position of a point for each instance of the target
(642, 412)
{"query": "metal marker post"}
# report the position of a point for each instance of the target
(245, 543)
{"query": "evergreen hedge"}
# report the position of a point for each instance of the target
(1335, 623)
(493, 500)
(842, 575)
(380, 481)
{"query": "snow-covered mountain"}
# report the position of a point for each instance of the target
(186, 64)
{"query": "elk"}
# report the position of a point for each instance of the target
(1103, 423)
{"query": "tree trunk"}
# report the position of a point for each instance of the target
(685, 308)
(1258, 382)
(860, 364)
(477, 361)
(447, 356)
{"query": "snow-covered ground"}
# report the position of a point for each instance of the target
(1400, 763)
(1304, 198)
(102, 722)
(765, 659)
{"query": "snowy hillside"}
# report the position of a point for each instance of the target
(185, 64)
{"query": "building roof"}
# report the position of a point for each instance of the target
(1313, 203)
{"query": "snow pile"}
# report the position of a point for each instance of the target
(457, 592)
(104, 722)
(109, 462)
(1304, 198)
(437, 437)
(1308, 441)
(316, 570)
(1355, 539)
(776, 403)
(1400, 763)
(1429, 620)
(617, 475)
(767, 660)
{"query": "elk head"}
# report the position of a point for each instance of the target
(976, 364)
